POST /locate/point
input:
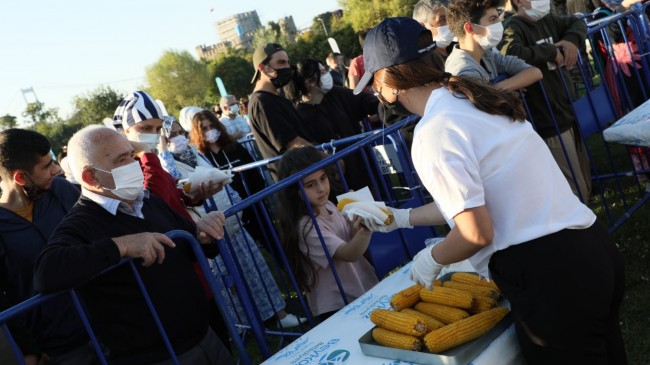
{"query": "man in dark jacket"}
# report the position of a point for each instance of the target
(33, 202)
(116, 218)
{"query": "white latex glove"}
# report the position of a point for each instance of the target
(425, 269)
(400, 220)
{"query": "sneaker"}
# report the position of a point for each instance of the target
(291, 321)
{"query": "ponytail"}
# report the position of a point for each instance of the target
(487, 98)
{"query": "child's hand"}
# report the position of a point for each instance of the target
(357, 226)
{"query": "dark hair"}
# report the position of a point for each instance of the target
(197, 137)
(293, 210)
(21, 149)
(461, 11)
(515, 8)
(305, 69)
(430, 69)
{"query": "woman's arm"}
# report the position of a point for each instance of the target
(472, 232)
(426, 215)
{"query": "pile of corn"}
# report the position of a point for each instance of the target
(451, 314)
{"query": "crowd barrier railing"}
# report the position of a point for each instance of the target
(179, 237)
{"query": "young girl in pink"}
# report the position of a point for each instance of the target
(345, 241)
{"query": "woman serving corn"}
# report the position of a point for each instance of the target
(511, 211)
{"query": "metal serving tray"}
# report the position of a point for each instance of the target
(460, 355)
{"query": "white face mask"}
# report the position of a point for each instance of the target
(178, 144)
(326, 82)
(538, 9)
(444, 37)
(493, 36)
(150, 139)
(212, 135)
(234, 109)
(129, 180)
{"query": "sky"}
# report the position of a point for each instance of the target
(68, 48)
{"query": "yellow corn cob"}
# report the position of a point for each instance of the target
(397, 340)
(474, 289)
(443, 313)
(464, 330)
(398, 322)
(347, 201)
(474, 279)
(406, 298)
(447, 296)
(437, 283)
(482, 303)
(429, 321)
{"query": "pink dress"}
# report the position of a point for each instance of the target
(356, 277)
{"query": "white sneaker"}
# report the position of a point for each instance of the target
(291, 321)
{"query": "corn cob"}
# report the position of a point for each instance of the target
(406, 298)
(397, 340)
(442, 313)
(429, 321)
(398, 322)
(474, 289)
(372, 209)
(437, 283)
(447, 296)
(481, 304)
(474, 279)
(464, 330)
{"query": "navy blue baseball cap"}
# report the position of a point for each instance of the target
(393, 42)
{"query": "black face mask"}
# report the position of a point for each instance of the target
(392, 112)
(282, 77)
(33, 191)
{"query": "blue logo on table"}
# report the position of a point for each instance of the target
(335, 357)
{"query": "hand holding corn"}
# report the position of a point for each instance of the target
(401, 220)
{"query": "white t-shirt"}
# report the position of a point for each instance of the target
(467, 158)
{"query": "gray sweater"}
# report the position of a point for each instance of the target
(461, 63)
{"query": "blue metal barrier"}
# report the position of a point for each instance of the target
(177, 236)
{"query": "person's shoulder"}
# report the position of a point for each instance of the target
(65, 190)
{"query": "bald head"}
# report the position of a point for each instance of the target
(95, 146)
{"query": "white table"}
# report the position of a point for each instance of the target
(632, 129)
(335, 341)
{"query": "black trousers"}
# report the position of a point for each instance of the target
(566, 290)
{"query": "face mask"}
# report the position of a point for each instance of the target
(178, 144)
(234, 109)
(128, 180)
(327, 83)
(150, 139)
(212, 135)
(444, 36)
(282, 77)
(391, 110)
(493, 37)
(33, 191)
(539, 9)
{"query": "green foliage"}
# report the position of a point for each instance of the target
(269, 34)
(37, 114)
(235, 71)
(362, 14)
(94, 106)
(58, 132)
(178, 80)
(8, 121)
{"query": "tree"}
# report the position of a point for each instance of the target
(8, 121)
(269, 34)
(236, 73)
(94, 106)
(178, 80)
(37, 113)
(362, 14)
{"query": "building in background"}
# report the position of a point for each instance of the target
(238, 29)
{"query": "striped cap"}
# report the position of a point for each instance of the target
(135, 108)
